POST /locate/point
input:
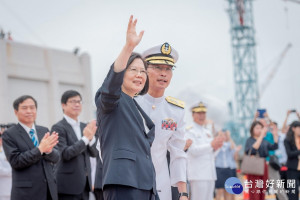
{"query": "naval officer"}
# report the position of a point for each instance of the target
(167, 114)
(201, 170)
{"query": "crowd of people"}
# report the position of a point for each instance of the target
(143, 148)
(281, 153)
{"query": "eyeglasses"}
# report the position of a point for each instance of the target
(75, 101)
(136, 71)
(160, 69)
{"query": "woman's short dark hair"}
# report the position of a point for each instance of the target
(69, 94)
(290, 136)
(130, 60)
(21, 99)
(253, 125)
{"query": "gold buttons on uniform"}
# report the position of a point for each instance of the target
(153, 107)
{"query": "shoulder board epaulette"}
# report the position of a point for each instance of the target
(188, 128)
(175, 101)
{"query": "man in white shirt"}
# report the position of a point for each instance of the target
(77, 143)
(167, 113)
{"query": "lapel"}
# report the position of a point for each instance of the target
(151, 134)
(148, 121)
(39, 133)
(82, 126)
(135, 110)
(70, 130)
(24, 135)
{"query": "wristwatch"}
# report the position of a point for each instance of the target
(184, 194)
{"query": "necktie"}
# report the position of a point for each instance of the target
(33, 138)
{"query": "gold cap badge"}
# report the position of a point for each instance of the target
(166, 49)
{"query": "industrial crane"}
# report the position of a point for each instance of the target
(245, 70)
(274, 70)
(244, 61)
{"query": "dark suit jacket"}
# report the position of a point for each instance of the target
(74, 167)
(263, 149)
(98, 176)
(31, 171)
(125, 145)
(292, 153)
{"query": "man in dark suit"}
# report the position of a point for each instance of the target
(77, 143)
(29, 150)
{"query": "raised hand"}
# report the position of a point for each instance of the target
(264, 132)
(217, 142)
(188, 143)
(274, 129)
(266, 115)
(238, 148)
(90, 130)
(256, 114)
(228, 134)
(132, 38)
(48, 142)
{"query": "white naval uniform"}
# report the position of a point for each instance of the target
(201, 170)
(160, 111)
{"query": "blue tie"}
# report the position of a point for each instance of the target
(33, 138)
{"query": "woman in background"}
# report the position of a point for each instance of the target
(292, 146)
(256, 143)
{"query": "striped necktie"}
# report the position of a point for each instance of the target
(33, 138)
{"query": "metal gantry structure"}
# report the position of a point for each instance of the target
(274, 70)
(245, 70)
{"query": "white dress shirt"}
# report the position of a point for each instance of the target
(76, 127)
(27, 129)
